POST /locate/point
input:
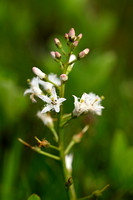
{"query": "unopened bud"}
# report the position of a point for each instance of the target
(66, 36)
(57, 55)
(83, 53)
(77, 138)
(75, 44)
(39, 73)
(79, 37)
(52, 54)
(63, 77)
(71, 34)
(58, 43)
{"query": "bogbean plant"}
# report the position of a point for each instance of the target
(51, 90)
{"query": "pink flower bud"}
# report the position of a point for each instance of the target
(39, 73)
(63, 77)
(52, 54)
(83, 53)
(57, 55)
(75, 44)
(71, 34)
(58, 43)
(79, 36)
(66, 36)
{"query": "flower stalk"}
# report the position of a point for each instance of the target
(53, 101)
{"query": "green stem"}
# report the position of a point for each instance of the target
(54, 133)
(63, 52)
(58, 87)
(70, 192)
(96, 193)
(71, 144)
(53, 147)
(38, 150)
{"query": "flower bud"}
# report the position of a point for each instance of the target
(79, 37)
(57, 55)
(66, 36)
(71, 34)
(58, 43)
(75, 44)
(52, 54)
(83, 53)
(39, 73)
(77, 138)
(63, 77)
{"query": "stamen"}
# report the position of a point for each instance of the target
(54, 101)
(94, 101)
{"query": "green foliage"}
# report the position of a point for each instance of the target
(97, 70)
(121, 162)
(10, 171)
(12, 102)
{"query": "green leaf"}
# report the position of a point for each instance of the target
(34, 197)
(12, 101)
(121, 170)
(93, 71)
(10, 171)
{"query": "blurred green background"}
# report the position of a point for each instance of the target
(105, 155)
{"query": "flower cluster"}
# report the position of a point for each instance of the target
(88, 102)
(51, 90)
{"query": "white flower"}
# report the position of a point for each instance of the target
(53, 103)
(88, 102)
(48, 86)
(46, 118)
(68, 161)
(53, 77)
(34, 88)
(80, 106)
(93, 102)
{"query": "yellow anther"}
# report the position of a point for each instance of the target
(52, 98)
(102, 97)
(28, 80)
(81, 100)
